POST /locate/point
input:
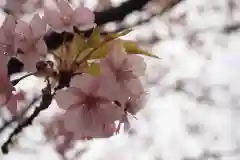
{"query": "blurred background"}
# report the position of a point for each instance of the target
(193, 106)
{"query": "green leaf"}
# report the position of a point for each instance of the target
(100, 44)
(77, 45)
(113, 36)
(131, 47)
(94, 69)
(101, 52)
(95, 39)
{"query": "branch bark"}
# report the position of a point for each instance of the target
(53, 40)
(47, 97)
(120, 12)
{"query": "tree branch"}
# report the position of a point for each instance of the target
(15, 118)
(53, 40)
(120, 12)
(46, 101)
(168, 7)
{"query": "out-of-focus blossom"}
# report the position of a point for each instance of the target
(55, 131)
(14, 6)
(19, 7)
(29, 39)
(103, 4)
(7, 35)
(65, 18)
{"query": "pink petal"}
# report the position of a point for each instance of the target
(3, 39)
(136, 64)
(12, 103)
(72, 120)
(14, 5)
(109, 87)
(110, 112)
(9, 25)
(30, 59)
(21, 44)
(133, 105)
(87, 83)
(65, 99)
(76, 92)
(86, 26)
(6, 87)
(3, 67)
(83, 16)
(38, 26)
(135, 86)
(65, 8)
(41, 47)
(52, 18)
(23, 30)
(116, 55)
(2, 100)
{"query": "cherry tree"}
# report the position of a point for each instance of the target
(76, 61)
(97, 74)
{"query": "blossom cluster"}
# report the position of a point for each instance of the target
(96, 78)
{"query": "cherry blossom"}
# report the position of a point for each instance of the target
(95, 80)
(65, 18)
(92, 115)
(29, 39)
(55, 131)
(7, 35)
(124, 71)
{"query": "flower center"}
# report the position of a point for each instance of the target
(22, 36)
(65, 20)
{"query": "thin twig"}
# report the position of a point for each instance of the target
(120, 12)
(16, 81)
(15, 118)
(47, 97)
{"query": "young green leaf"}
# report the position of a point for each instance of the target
(113, 36)
(94, 69)
(95, 39)
(131, 47)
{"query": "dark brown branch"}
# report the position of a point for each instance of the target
(168, 7)
(47, 97)
(120, 12)
(16, 81)
(53, 40)
(15, 118)
(231, 27)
